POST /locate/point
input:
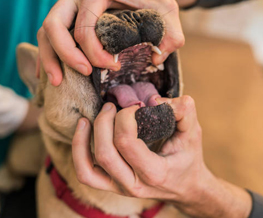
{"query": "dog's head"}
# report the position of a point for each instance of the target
(131, 37)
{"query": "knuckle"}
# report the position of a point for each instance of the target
(79, 36)
(188, 102)
(121, 141)
(40, 33)
(135, 191)
(171, 4)
(177, 41)
(48, 24)
(103, 160)
(82, 178)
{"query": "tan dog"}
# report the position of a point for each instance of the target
(128, 36)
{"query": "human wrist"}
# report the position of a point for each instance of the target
(214, 197)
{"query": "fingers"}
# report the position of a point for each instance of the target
(105, 152)
(55, 37)
(174, 37)
(184, 110)
(85, 35)
(148, 165)
(49, 59)
(86, 172)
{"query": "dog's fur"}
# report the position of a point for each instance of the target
(63, 106)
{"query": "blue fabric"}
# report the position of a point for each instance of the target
(19, 22)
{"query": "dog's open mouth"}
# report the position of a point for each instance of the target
(132, 37)
(138, 80)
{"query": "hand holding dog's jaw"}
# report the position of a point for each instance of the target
(131, 165)
(55, 40)
(179, 175)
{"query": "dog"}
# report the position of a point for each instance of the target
(131, 37)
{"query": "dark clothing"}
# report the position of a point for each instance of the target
(257, 205)
(212, 3)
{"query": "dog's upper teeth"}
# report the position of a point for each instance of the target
(160, 67)
(116, 57)
(104, 76)
(156, 49)
(151, 69)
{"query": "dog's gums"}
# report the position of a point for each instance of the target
(138, 82)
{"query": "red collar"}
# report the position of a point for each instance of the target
(64, 193)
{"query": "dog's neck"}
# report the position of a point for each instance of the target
(47, 129)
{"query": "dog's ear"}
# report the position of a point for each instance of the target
(26, 56)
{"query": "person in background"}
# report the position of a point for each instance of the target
(19, 21)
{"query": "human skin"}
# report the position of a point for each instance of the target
(177, 174)
(55, 40)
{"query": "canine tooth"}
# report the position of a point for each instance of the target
(116, 57)
(156, 49)
(104, 76)
(160, 67)
(133, 78)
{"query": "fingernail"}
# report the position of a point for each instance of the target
(81, 125)
(106, 107)
(50, 77)
(82, 69)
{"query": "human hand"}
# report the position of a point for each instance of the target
(169, 11)
(147, 175)
(55, 40)
(177, 174)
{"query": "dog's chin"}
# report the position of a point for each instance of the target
(139, 82)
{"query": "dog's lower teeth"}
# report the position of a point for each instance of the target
(104, 76)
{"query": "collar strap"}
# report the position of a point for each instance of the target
(64, 193)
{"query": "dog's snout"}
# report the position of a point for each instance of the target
(131, 17)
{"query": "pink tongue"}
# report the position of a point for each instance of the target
(141, 93)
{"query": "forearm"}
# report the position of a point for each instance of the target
(218, 199)
(205, 3)
(185, 3)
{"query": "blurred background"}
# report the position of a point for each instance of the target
(222, 64)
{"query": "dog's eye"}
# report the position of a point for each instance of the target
(75, 109)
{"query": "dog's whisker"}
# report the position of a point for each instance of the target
(163, 15)
(91, 12)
